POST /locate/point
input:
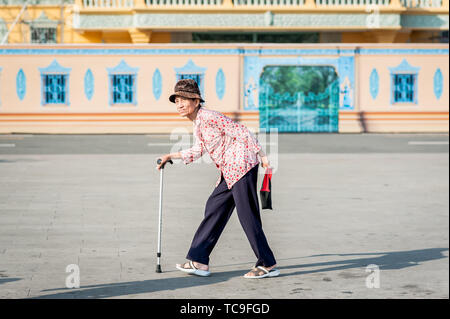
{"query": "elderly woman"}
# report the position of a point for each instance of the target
(234, 150)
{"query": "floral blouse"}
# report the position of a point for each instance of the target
(231, 146)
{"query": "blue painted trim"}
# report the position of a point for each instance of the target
(157, 84)
(404, 67)
(89, 84)
(374, 81)
(122, 68)
(190, 68)
(438, 83)
(21, 84)
(176, 51)
(55, 68)
(403, 51)
(220, 84)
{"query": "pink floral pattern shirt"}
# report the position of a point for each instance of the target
(231, 146)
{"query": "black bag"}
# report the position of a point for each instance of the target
(266, 190)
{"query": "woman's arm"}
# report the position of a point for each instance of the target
(188, 155)
(167, 157)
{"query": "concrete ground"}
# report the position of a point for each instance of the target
(341, 203)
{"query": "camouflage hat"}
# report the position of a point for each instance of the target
(186, 88)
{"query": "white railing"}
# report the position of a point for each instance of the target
(352, 2)
(183, 2)
(256, 3)
(108, 3)
(422, 3)
(284, 3)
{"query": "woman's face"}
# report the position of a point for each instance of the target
(186, 106)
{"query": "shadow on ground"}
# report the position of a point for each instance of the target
(387, 261)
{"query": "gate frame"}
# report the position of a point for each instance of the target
(343, 63)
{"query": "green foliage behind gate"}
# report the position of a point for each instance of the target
(299, 99)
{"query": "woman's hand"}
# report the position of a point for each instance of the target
(164, 159)
(265, 162)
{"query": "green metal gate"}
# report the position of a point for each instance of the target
(300, 112)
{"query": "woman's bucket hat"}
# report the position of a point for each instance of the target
(186, 88)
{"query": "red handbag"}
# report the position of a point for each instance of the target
(266, 190)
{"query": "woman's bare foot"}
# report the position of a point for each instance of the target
(251, 273)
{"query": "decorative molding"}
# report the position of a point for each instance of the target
(21, 84)
(404, 67)
(374, 80)
(43, 21)
(190, 68)
(438, 83)
(374, 51)
(428, 21)
(220, 84)
(238, 20)
(157, 84)
(105, 21)
(122, 68)
(219, 51)
(55, 68)
(89, 84)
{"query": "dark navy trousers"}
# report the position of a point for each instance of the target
(221, 203)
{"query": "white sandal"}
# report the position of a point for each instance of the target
(192, 270)
(266, 273)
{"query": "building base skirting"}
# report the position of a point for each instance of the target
(135, 123)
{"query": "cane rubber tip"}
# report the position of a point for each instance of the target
(158, 269)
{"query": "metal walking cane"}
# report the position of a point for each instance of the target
(158, 254)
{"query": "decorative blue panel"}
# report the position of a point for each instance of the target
(21, 84)
(220, 84)
(122, 84)
(438, 83)
(404, 83)
(89, 84)
(346, 72)
(374, 83)
(157, 84)
(192, 71)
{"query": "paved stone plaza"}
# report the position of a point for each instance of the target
(341, 203)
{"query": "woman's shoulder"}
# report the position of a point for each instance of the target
(209, 114)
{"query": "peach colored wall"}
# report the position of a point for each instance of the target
(426, 99)
(146, 101)
(159, 116)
